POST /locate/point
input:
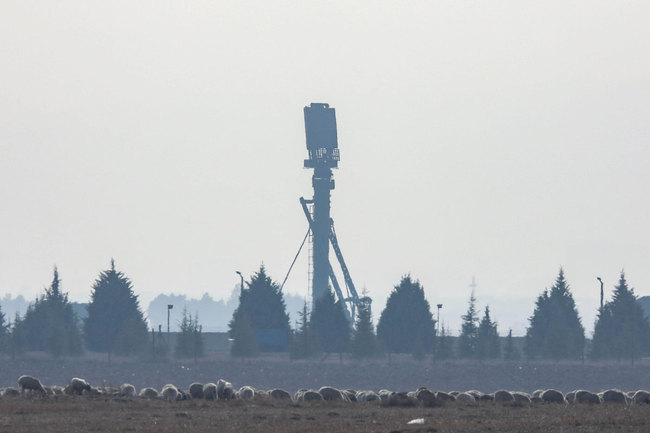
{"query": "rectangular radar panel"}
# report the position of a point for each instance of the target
(320, 128)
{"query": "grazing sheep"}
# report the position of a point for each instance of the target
(10, 392)
(400, 399)
(332, 394)
(474, 393)
(367, 396)
(641, 396)
(246, 393)
(210, 391)
(582, 396)
(444, 397)
(149, 393)
(196, 390)
(465, 397)
(127, 390)
(308, 395)
(92, 391)
(503, 396)
(424, 394)
(31, 384)
(538, 393)
(570, 396)
(613, 396)
(350, 394)
(521, 397)
(279, 394)
(77, 386)
(225, 390)
(385, 394)
(486, 397)
(169, 392)
(552, 396)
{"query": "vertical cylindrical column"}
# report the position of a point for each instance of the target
(323, 184)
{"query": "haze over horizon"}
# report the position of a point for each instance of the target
(499, 141)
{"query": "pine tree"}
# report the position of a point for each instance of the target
(364, 340)
(622, 331)
(244, 337)
(330, 324)
(510, 352)
(17, 338)
(115, 323)
(406, 321)
(189, 342)
(263, 304)
(50, 324)
(303, 343)
(555, 330)
(488, 345)
(469, 331)
(444, 348)
(4, 333)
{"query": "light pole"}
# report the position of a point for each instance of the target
(439, 307)
(601, 294)
(169, 308)
(241, 289)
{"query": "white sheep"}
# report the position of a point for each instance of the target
(10, 392)
(31, 384)
(465, 397)
(279, 394)
(225, 390)
(521, 397)
(169, 392)
(582, 396)
(612, 396)
(330, 393)
(367, 396)
(308, 395)
(552, 396)
(127, 390)
(641, 396)
(503, 396)
(246, 393)
(196, 390)
(210, 391)
(149, 393)
(77, 386)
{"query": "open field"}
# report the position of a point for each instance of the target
(103, 414)
(403, 374)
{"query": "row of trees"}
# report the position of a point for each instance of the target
(115, 323)
(406, 325)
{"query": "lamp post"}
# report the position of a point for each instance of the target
(241, 288)
(601, 294)
(169, 308)
(439, 307)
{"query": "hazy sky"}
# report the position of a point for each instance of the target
(498, 139)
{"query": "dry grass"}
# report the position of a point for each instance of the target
(101, 414)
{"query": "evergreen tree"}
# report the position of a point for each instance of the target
(245, 343)
(555, 330)
(622, 331)
(4, 333)
(17, 339)
(189, 342)
(115, 323)
(330, 324)
(50, 324)
(510, 352)
(406, 325)
(488, 345)
(468, 331)
(303, 342)
(364, 340)
(263, 304)
(444, 347)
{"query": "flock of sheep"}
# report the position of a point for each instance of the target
(223, 390)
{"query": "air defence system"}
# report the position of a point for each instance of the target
(323, 156)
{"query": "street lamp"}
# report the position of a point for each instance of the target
(242, 282)
(601, 294)
(169, 308)
(439, 307)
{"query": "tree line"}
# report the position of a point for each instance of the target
(406, 325)
(116, 325)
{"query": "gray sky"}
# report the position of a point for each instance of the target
(498, 139)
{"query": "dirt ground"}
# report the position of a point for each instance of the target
(104, 414)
